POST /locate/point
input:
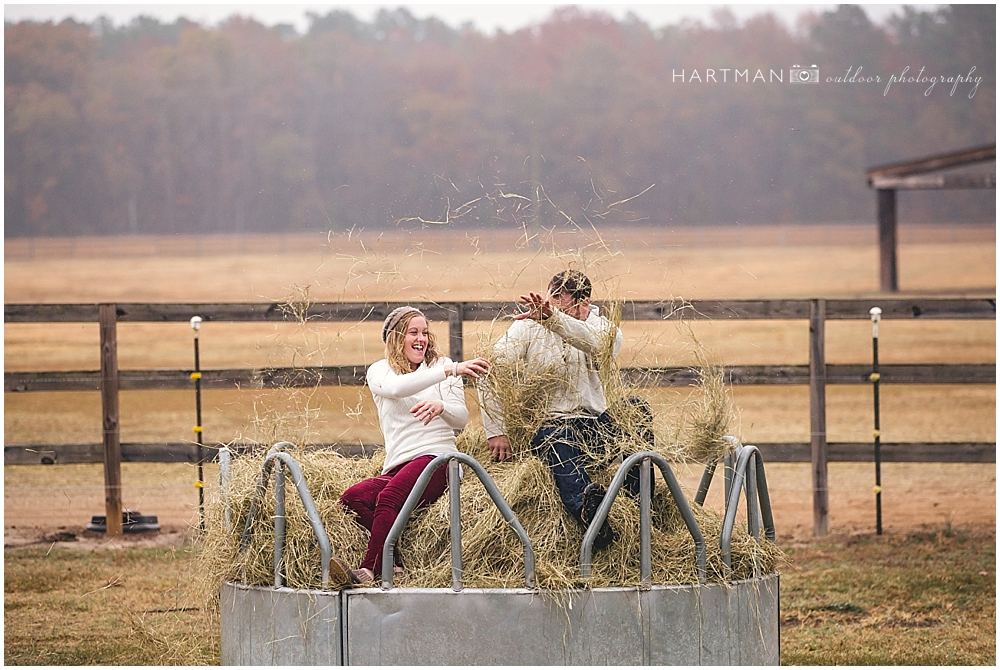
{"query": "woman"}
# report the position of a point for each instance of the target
(420, 402)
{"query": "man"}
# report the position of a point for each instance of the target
(562, 328)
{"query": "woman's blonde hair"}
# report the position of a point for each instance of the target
(396, 337)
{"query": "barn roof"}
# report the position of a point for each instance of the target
(920, 172)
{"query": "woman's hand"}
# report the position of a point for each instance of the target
(472, 368)
(426, 410)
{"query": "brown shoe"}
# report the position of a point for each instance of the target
(340, 574)
(361, 576)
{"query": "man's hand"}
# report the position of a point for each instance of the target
(539, 307)
(426, 410)
(500, 446)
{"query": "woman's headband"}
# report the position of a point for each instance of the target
(395, 316)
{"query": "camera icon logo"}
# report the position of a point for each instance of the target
(803, 75)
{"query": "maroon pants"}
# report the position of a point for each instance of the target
(377, 502)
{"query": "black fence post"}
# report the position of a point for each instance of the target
(888, 280)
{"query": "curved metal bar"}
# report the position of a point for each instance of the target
(709, 473)
(310, 506)
(729, 521)
(587, 548)
(727, 478)
(225, 477)
(308, 503)
(414, 498)
(763, 500)
(706, 481)
(733, 441)
(260, 488)
(455, 512)
(645, 523)
(753, 501)
(706, 477)
(279, 525)
(728, 461)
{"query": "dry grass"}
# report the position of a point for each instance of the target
(643, 263)
(492, 555)
(120, 607)
(910, 598)
(918, 598)
(710, 417)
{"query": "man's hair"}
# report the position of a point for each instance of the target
(573, 282)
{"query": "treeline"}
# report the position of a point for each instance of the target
(163, 128)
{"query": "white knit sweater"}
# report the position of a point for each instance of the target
(562, 340)
(406, 437)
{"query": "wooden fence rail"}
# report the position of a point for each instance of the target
(817, 374)
(354, 375)
(773, 452)
(638, 310)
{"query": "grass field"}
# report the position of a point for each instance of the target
(439, 263)
(651, 263)
(918, 598)
(754, 262)
(111, 607)
(917, 595)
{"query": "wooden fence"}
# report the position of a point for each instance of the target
(817, 374)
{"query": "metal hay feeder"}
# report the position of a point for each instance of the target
(735, 623)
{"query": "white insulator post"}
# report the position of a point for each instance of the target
(876, 315)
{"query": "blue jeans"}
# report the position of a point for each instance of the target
(560, 444)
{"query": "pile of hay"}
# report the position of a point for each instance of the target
(492, 555)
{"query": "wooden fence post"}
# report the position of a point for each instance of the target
(109, 409)
(817, 415)
(888, 276)
(455, 318)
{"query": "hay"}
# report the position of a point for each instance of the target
(522, 393)
(492, 554)
(709, 418)
(328, 475)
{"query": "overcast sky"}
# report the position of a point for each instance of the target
(485, 17)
